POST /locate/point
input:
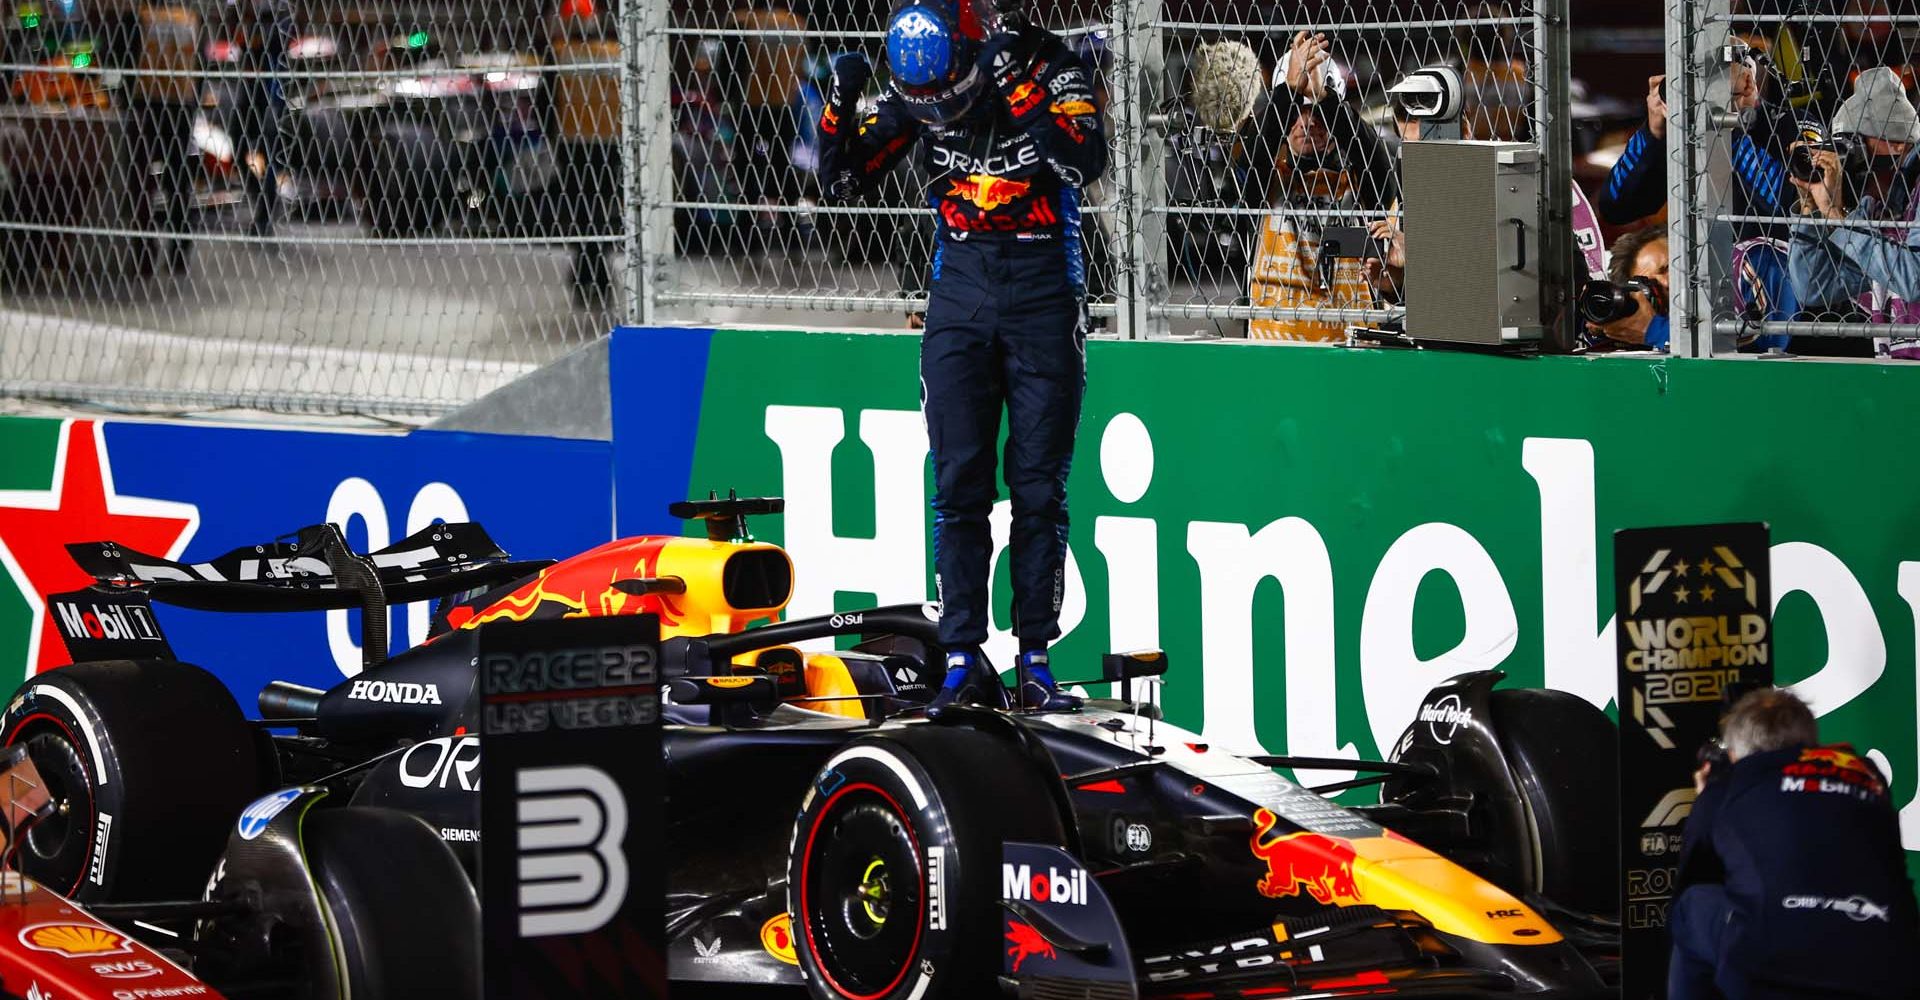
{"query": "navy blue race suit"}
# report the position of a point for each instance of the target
(1005, 326)
(1793, 882)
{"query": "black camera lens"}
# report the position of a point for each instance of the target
(1800, 164)
(1603, 302)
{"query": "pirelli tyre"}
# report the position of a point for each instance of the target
(1565, 759)
(894, 870)
(405, 918)
(148, 763)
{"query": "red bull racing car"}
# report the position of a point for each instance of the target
(820, 831)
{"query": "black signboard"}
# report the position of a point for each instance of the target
(1695, 612)
(573, 890)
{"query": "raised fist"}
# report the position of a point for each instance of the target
(851, 71)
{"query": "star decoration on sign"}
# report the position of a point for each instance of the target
(1706, 566)
(1707, 592)
(1680, 567)
(1680, 594)
(81, 506)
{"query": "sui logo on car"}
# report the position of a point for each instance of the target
(254, 820)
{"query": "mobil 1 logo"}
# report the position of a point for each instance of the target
(570, 790)
(106, 624)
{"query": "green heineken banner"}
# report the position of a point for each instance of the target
(1693, 610)
(1319, 536)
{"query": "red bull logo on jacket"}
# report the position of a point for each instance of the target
(1021, 882)
(1315, 862)
(1834, 757)
(988, 191)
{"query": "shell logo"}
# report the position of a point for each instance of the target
(74, 940)
(776, 936)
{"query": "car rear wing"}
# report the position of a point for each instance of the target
(299, 572)
(313, 569)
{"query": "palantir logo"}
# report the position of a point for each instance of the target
(573, 876)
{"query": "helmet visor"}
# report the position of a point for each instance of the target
(941, 103)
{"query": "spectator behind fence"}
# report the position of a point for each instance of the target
(161, 45)
(1865, 269)
(1793, 882)
(1312, 154)
(1639, 265)
(269, 31)
(1637, 187)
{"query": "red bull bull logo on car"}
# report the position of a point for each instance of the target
(1021, 882)
(1320, 864)
(988, 191)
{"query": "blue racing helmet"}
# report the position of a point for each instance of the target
(933, 54)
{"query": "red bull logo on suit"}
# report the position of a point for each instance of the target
(988, 191)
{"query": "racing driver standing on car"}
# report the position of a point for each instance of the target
(1012, 132)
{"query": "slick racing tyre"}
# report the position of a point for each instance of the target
(1563, 754)
(404, 916)
(148, 764)
(894, 872)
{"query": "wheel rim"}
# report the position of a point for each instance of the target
(861, 894)
(59, 847)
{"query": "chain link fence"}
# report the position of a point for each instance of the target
(395, 206)
(1792, 216)
(324, 204)
(1269, 212)
(1212, 217)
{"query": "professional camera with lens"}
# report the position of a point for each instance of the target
(1602, 302)
(1800, 163)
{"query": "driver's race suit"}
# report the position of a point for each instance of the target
(1005, 317)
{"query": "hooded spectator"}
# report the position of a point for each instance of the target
(1858, 252)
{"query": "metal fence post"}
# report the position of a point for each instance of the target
(1142, 179)
(647, 113)
(1554, 133)
(1684, 244)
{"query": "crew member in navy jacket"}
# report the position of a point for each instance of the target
(1793, 881)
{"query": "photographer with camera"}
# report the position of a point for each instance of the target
(1636, 188)
(1792, 879)
(1312, 160)
(1864, 175)
(1628, 309)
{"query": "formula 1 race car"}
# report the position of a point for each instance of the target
(819, 829)
(51, 946)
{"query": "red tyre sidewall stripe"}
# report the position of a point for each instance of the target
(93, 804)
(806, 862)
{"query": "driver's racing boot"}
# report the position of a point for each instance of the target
(964, 684)
(1039, 692)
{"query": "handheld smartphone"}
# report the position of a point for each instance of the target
(1351, 241)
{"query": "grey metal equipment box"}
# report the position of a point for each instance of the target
(1472, 218)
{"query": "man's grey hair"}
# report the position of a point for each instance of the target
(1768, 719)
